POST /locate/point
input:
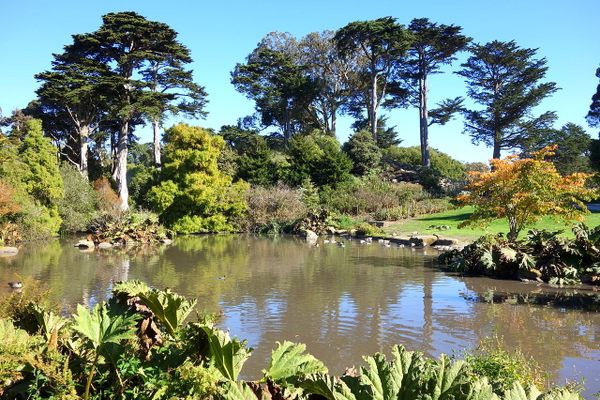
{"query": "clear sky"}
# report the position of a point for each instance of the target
(221, 34)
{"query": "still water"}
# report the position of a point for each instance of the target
(343, 302)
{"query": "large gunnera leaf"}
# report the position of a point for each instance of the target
(288, 360)
(170, 308)
(227, 355)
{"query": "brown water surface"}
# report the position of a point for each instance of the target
(343, 302)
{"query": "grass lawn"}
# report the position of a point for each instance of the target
(453, 218)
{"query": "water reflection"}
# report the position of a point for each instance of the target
(342, 302)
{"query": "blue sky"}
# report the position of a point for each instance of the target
(220, 35)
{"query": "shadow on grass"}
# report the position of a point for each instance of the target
(456, 217)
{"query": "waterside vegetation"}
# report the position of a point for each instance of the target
(141, 343)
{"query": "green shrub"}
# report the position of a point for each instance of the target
(194, 196)
(141, 179)
(80, 204)
(363, 151)
(28, 164)
(318, 157)
(502, 368)
(369, 195)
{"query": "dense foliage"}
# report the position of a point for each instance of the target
(505, 80)
(28, 167)
(542, 255)
(140, 344)
(193, 195)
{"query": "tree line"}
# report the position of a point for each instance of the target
(133, 71)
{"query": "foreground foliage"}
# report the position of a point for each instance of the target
(543, 255)
(139, 345)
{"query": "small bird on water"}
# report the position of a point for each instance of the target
(222, 278)
(15, 285)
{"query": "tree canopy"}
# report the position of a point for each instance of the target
(505, 80)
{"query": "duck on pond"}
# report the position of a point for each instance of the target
(15, 285)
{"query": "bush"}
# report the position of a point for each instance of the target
(363, 151)
(28, 165)
(273, 209)
(504, 369)
(370, 194)
(544, 256)
(194, 196)
(80, 204)
(318, 157)
(128, 227)
(108, 200)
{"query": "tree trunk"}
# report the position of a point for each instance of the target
(83, 151)
(120, 174)
(373, 110)
(156, 129)
(496, 146)
(423, 120)
(513, 227)
(333, 123)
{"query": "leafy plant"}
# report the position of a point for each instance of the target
(170, 308)
(100, 329)
(226, 354)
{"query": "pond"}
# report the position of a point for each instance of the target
(343, 302)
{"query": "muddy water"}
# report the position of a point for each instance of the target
(343, 302)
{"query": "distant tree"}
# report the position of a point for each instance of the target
(318, 157)
(433, 46)
(141, 56)
(524, 189)
(253, 156)
(281, 89)
(505, 80)
(386, 136)
(172, 86)
(379, 45)
(593, 116)
(442, 164)
(193, 195)
(573, 147)
(72, 100)
(363, 151)
(331, 74)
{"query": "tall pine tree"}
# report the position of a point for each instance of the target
(505, 80)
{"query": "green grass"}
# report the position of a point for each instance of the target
(453, 218)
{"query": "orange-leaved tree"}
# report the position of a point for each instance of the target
(524, 189)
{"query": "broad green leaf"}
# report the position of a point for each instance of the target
(327, 386)
(518, 392)
(378, 377)
(238, 391)
(99, 328)
(49, 322)
(288, 360)
(227, 355)
(131, 288)
(407, 370)
(170, 308)
(449, 379)
(480, 389)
